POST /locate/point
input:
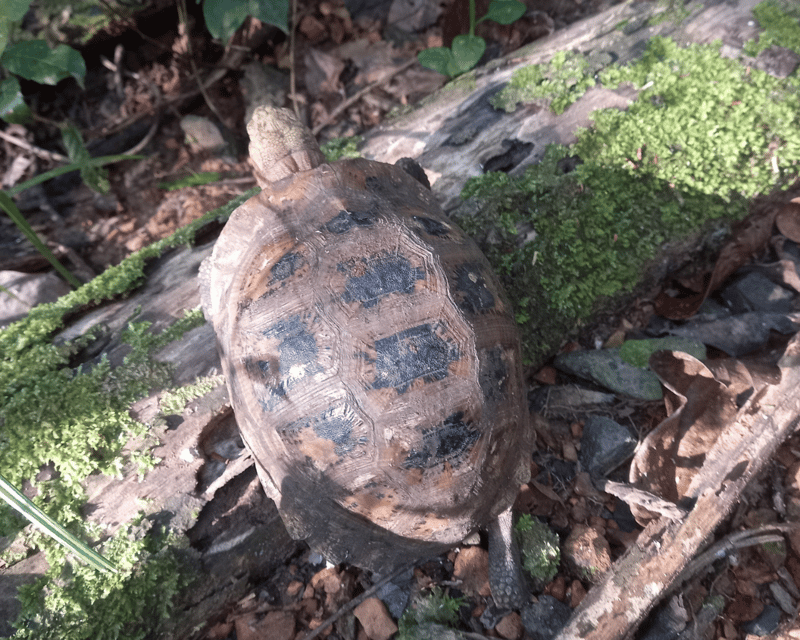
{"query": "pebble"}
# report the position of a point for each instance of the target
(375, 618)
(605, 445)
(544, 619)
(586, 550)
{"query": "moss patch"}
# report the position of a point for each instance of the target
(704, 135)
(77, 422)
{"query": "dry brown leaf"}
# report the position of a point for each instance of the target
(747, 237)
(699, 408)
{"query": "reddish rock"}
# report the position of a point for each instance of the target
(375, 619)
(472, 569)
(276, 625)
(586, 550)
(510, 627)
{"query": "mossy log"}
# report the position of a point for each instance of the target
(232, 531)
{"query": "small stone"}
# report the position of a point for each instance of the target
(765, 623)
(587, 552)
(510, 627)
(577, 593)
(604, 445)
(472, 568)
(327, 580)
(545, 618)
(276, 625)
(294, 588)
(374, 617)
(26, 290)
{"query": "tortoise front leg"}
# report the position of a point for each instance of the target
(505, 572)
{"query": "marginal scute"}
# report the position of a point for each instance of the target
(372, 361)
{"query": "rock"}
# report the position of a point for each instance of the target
(472, 568)
(756, 292)
(203, 135)
(26, 290)
(276, 625)
(374, 617)
(605, 445)
(586, 550)
(765, 623)
(606, 368)
(544, 619)
(510, 627)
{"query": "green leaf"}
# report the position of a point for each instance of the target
(467, 50)
(23, 505)
(224, 17)
(7, 204)
(12, 107)
(504, 11)
(194, 180)
(34, 60)
(14, 9)
(95, 177)
(439, 59)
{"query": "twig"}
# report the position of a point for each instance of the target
(733, 541)
(360, 94)
(184, 19)
(42, 153)
(355, 602)
(292, 75)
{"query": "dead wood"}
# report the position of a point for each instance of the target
(647, 572)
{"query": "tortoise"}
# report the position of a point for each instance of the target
(371, 358)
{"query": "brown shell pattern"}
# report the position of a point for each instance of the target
(372, 362)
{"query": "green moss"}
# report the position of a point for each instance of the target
(539, 548)
(558, 84)
(779, 21)
(638, 352)
(701, 122)
(74, 602)
(427, 615)
(78, 422)
(174, 401)
(339, 148)
(704, 135)
(674, 11)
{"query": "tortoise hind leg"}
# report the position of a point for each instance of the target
(505, 572)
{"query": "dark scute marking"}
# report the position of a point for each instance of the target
(449, 442)
(493, 377)
(412, 168)
(287, 265)
(271, 390)
(335, 424)
(433, 227)
(379, 277)
(346, 220)
(297, 347)
(410, 354)
(472, 284)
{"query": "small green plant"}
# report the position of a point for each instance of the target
(466, 50)
(539, 547)
(224, 17)
(427, 614)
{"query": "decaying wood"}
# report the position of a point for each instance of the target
(616, 605)
(457, 132)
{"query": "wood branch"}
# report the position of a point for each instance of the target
(616, 605)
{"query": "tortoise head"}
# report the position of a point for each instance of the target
(280, 145)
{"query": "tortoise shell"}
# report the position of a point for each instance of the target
(371, 356)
